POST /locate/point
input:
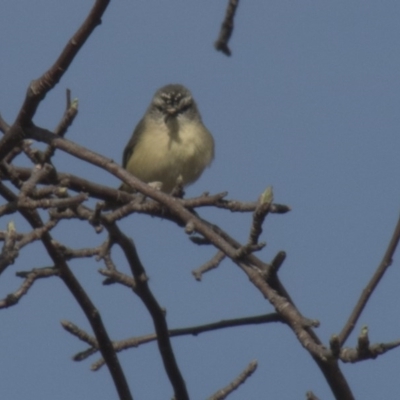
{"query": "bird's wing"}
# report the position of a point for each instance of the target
(130, 147)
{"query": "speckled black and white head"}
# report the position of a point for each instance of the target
(173, 100)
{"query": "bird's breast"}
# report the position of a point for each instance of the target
(172, 150)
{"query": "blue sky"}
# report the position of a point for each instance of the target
(308, 103)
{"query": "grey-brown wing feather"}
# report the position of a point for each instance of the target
(130, 147)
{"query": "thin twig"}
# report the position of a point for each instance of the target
(311, 396)
(208, 266)
(259, 214)
(277, 262)
(69, 253)
(227, 28)
(10, 250)
(80, 333)
(30, 278)
(114, 276)
(68, 118)
(25, 202)
(223, 393)
(191, 330)
(85, 337)
(37, 233)
(38, 173)
(373, 283)
(365, 351)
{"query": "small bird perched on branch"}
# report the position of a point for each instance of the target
(170, 144)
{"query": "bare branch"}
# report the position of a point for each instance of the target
(30, 278)
(375, 350)
(204, 200)
(25, 202)
(174, 207)
(191, 330)
(77, 184)
(85, 337)
(373, 283)
(228, 323)
(335, 346)
(9, 251)
(38, 173)
(8, 208)
(37, 233)
(227, 28)
(156, 312)
(261, 211)
(254, 268)
(208, 266)
(32, 153)
(92, 314)
(263, 276)
(364, 350)
(68, 118)
(4, 127)
(131, 203)
(277, 262)
(311, 396)
(118, 277)
(223, 393)
(80, 333)
(69, 253)
(248, 249)
(9, 172)
(40, 87)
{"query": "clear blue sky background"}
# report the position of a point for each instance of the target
(308, 103)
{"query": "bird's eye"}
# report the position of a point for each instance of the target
(184, 108)
(185, 104)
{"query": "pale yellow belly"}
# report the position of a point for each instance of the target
(163, 157)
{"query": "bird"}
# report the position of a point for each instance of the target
(170, 145)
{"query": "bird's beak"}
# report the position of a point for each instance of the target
(170, 112)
